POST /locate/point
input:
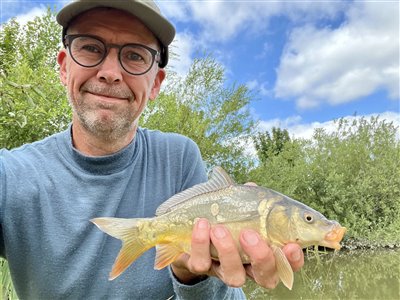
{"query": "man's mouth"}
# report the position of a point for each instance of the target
(109, 96)
(108, 93)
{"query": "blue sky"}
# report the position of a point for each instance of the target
(307, 62)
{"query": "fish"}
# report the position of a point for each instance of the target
(278, 219)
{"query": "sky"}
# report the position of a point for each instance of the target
(306, 63)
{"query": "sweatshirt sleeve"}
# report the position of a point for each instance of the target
(210, 288)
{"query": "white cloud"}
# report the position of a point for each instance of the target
(310, 11)
(220, 21)
(26, 10)
(298, 129)
(175, 10)
(183, 47)
(261, 88)
(343, 64)
(37, 11)
(252, 84)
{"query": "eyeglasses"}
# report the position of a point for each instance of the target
(90, 51)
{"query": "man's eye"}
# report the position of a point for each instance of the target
(91, 48)
(133, 56)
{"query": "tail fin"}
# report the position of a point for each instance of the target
(132, 246)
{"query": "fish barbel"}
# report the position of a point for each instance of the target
(277, 218)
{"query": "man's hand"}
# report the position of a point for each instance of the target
(230, 269)
(262, 268)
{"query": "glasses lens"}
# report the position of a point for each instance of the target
(136, 59)
(87, 51)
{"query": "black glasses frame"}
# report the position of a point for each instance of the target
(68, 39)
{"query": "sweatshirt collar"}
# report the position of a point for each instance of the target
(100, 165)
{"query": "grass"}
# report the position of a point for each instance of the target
(7, 291)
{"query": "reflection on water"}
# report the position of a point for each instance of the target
(372, 274)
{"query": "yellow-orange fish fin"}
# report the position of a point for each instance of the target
(283, 267)
(119, 228)
(165, 255)
(128, 254)
(132, 246)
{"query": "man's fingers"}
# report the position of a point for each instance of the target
(263, 269)
(295, 256)
(200, 260)
(230, 269)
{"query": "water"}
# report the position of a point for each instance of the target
(369, 274)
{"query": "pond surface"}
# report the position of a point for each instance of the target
(358, 274)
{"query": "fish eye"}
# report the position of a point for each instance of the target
(308, 217)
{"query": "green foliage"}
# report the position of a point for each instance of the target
(201, 107)
(32, 100)
(268, 145)
(351, 175)
(6, 287)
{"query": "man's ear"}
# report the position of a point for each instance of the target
(155, 90)
(62, 62)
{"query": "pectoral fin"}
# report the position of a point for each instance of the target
(165, 255)
(285, 271)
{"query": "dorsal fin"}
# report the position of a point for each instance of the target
(219, 179)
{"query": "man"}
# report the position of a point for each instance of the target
(105, 165)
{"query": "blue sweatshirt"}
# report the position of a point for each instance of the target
(48, 193)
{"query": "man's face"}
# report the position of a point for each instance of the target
(106, 100)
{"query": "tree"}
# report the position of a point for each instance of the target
(33, 104)
(214, 115)
(268, 145)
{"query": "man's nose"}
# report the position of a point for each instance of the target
(110, 69)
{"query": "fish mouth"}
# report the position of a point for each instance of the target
(332, 238)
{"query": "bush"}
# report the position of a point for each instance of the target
(33, 104)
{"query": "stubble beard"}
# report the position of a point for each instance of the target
(108, 127)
